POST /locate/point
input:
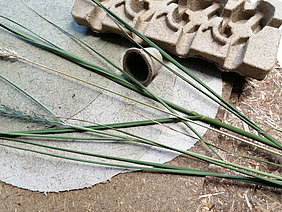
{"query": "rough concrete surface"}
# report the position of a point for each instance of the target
(235, 35)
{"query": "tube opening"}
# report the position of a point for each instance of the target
(137, 66)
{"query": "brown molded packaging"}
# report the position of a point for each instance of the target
(234, 34)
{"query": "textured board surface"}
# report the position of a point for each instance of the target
(69, 98)
(238, 36)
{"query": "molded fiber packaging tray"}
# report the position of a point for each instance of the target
(235, 35)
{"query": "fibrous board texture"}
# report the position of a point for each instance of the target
(69, 98)
(236, 35)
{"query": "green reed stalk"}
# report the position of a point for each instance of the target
(127, 84)
(168, 57)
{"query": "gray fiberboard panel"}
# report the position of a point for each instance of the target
(69, 98)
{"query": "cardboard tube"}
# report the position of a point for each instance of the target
(141, 65)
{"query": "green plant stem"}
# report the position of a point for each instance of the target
(225, 164)
(114, 125)
(127, 125)
(125, 83)
(160, 167)
(245, 156)
(199, 156)
(270, 127)
(215, 160)
(136, 83)
(25, 134)
(171, 70)
(18, 114)
(102, 156)
(31, 97)
(134, 100)
(12, 134)
(167, 56)
(45, 40)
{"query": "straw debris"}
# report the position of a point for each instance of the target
(8, 54)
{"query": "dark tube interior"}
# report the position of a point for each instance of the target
(137, 66)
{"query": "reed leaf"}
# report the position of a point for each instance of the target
(137, 101)
(225, 164)
(136, 83)
(171, 59)
(28, 135)
(12, 113)
(127, 125)
(160, 167)
(127, 84)
(257, 175)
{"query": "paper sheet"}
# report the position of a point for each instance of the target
(69, 98)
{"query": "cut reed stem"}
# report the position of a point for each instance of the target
(258, 175)
(163, 168)
(168, 57)
(200, 117)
